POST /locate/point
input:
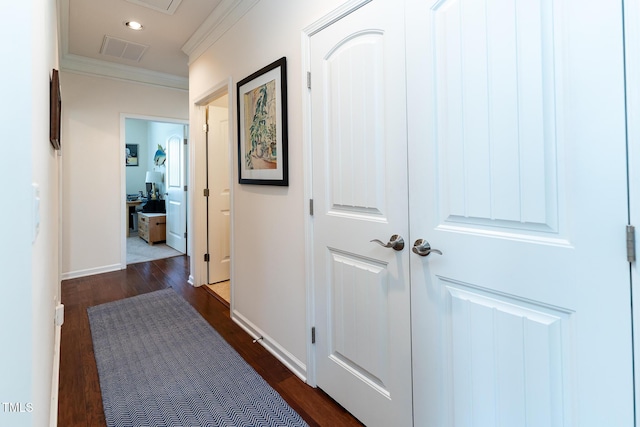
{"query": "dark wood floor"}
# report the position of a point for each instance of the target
(80, 401)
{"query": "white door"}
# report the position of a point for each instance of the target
(363, 348)
(517, 174)
(219, 194)
(175, 194)
(632, 62)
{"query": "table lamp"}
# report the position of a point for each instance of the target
(151, 178)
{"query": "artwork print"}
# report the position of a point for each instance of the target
(262, 126)
(131, 154)
(260, 110)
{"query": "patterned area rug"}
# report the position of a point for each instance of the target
(161, 364)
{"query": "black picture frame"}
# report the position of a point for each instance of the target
(55, 109)
(262, 126)
(131, 155)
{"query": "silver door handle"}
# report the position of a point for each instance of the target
(423, 248)
(395, 242)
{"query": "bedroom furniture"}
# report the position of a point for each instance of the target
(152, 227)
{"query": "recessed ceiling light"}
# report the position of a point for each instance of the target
(134, 25)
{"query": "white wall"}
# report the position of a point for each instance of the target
(136, 133)
(92, 208)
(268, 222)
(30, 271)
(160, 133)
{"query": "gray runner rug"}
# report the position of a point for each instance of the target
(161, 364)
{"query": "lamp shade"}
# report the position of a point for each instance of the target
(153, 177)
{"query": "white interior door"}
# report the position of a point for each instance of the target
(175, 195)
(517, 174)
(363, 348)
(632, 61)
(219, 193)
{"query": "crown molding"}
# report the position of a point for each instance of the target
(223, 17)
(334, 16)
(84, 65)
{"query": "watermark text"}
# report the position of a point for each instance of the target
(16, 408)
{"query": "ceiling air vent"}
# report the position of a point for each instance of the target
(165, 6)
(119, 48)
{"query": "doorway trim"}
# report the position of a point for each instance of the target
(123, 180)
(197, 180)
(307, 160)
(631, 36)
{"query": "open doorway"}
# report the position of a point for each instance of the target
(155, 188)
(218, 204)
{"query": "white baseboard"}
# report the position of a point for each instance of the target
(279, 352)
(55, 378)
(91, 271)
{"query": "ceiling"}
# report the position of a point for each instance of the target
(95, 40)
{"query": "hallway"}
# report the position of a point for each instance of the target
(80, 401)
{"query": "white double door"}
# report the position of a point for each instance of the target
(495, 131)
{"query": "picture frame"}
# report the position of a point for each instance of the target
(55, 109)
(262, 126)
(131, 155)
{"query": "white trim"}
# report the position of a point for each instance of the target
(286, 358)
(83, 65)
(123, 176)
(632, 64)
(333, 17)
(91, 271)
(223, 17)
(307, 160)
(123, 193)
(96, 67)
(197, 172)
(55, 378)
(214, 92)
(198, 219)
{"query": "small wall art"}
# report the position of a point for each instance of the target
(131, 157)
(55, 109)
(160, 156)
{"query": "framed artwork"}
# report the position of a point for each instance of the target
(131, 157)
(262, 126)
(55, 109)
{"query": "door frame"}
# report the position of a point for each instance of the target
(197, 182)
(307, 160)
(123, 178)
(632, 81)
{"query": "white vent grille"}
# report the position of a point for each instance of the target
(166, 6)
(124, 49)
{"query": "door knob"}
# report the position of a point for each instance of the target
(423, 248)
(395, 242)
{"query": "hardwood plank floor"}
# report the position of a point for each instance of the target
(80, 401)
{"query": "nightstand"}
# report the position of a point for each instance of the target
(152, 227)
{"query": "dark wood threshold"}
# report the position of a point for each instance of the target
(216, 296)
